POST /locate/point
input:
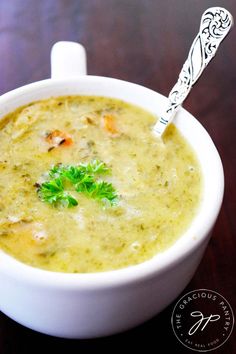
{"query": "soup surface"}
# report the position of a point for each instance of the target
(155, 185)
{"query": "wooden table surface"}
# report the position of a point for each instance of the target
(146, 42)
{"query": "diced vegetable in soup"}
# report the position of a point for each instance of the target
(85, 186)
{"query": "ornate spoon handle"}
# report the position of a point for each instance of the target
(215, 25)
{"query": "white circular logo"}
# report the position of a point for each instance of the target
(202, 320)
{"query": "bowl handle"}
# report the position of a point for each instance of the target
(68, 59)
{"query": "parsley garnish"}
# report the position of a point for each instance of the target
(83, 180)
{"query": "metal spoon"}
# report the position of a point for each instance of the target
(215, 25)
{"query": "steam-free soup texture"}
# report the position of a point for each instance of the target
(158, 185)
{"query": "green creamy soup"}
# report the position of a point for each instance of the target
(155, 185)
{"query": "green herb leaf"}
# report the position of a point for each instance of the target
(52, 192)
(103, 191)
(82, 178)
(95, 167)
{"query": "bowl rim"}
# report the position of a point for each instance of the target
(162, 261)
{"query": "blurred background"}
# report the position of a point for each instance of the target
(146, 42)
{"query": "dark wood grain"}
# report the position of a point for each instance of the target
(144, 41)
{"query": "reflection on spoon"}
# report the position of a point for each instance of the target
(215, 25)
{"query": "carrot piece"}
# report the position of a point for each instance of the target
(58, 137)
(109, 123)
(67, 141)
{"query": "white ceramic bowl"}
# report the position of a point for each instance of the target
(100, 304)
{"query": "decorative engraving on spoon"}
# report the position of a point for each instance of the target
(215, 25)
